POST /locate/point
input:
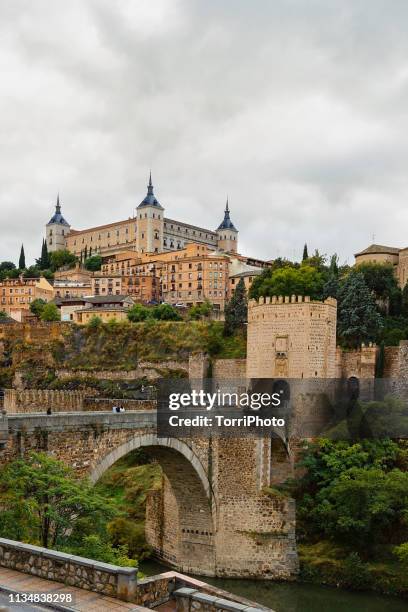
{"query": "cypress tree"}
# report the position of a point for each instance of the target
(21, 261)
(44, 260)
(358, 319)
(305, 253)
(404, 305)
(236, 311)
(45, 256)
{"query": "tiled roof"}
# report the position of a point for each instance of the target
(379, 248)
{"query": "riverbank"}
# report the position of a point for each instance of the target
(324, 564)
(297, 596)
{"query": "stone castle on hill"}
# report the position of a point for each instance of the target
(149, 231)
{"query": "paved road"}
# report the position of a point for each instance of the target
(5, 605)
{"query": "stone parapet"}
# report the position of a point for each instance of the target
(190, 599)
(30, 423)
(71, 570)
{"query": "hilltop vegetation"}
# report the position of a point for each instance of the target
(371, 305)
(116, 346)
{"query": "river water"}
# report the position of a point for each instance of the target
(298, 597)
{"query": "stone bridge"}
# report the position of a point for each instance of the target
(211, 516)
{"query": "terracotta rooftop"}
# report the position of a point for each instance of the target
(379, 248)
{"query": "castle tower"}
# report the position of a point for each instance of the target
(150, 224)
(227, 233)
(291, 337)
(57, 230)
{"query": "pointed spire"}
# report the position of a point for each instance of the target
(150, 199)
(150, 185)
(58, 206)
(227, 223)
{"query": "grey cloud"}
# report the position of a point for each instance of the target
(296, 109)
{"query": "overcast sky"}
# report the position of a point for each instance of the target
(297, 109)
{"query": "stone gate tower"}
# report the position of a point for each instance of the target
(291, 337)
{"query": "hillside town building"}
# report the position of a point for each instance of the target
(378, 253)
(16, 295)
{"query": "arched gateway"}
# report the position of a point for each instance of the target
(213, 515)
(179, 517)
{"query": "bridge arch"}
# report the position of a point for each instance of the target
(180, 518)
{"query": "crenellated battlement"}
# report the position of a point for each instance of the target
(292, 299)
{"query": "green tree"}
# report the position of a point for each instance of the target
(37, 307)
(44, 261)
(6, 266)
(305, 253)
(138, 313)
(95, 547)
(316, 261)
(358, 319)
(60, 258)
(95, 322)
(42, 502)
(200, 311)
(50, 313)
(354, 493)
(166, 312)
(381, 281)
(236, 310)
(331, 287)
(404, 302)
(305, 280)
(3, 315)
(32, 272)
(334, 265)
(93, 263)
(401, 552)
(22, 261)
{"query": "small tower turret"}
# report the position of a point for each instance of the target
(57, 230)
(227, 233)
